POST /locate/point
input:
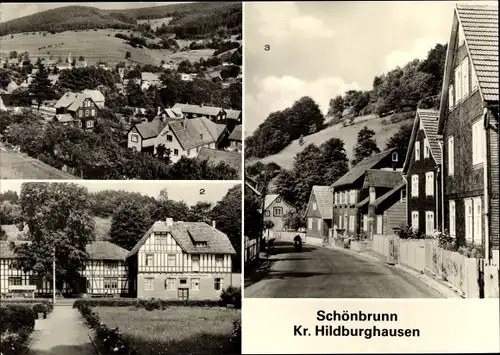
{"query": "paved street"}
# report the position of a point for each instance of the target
(62, 333)
(318, 272)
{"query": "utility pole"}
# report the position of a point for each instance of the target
(262, 214)
(54, 276)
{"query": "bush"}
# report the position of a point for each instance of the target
(406, 232)
(17, 318)
(236, 335)
(231, 296)
(148, 304)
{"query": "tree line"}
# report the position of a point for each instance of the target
(61, 215)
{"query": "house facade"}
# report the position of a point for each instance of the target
(77, 109)
(319, 212)
(181, 260)
(149, 79)
(104, 273)
(275, 210)
(468, 124)
(348, 192)
(235, 139)
(422, 171)
(142, 136)
(214, 114)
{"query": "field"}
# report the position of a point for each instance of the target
(157, 22)
(176, 330)
(93, 46)
(347, 134)
(17, 166)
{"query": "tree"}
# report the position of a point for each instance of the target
(3, 234)
(201, 212)
(129, 223)
(295, 220)
(366, 145)
(252, 205)
(128, 55)
(41, 87)
(400, 139)
(57, 215)
(81, 59)
(333, 160)
(336, 107)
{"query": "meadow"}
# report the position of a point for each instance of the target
(175, 330)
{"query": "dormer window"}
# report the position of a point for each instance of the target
(278, 200)
(201, 244)
(201, 136)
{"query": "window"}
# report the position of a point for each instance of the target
(195, 263)
(171, 260)
(80, 113)
(379, 224)
(278, 211)
(429, 183)
(79, 124)
(314, 206)
(134, 138)
(219, 261)
(468, 219)
(352, 197)
(346, 221)
(427, 148)
(149, 284)
(267, 213)
(465, 77)
(373, 195)
(170, 284)
(195, 284)
(351, 223)
(33, 280)
(169, 138)
(403, 195)
(452, 217)
(414, 220)
(341, 222)
(478, 216)
(477, 143)
(113, 265)
(475, 83)
(310, 223)
(458, 84)
(176, 152)
(365, 223)
(278, 200)
(217, 284)
(336, 199)
(15, 281)
(451, 97)
(319, 221)
(87, 113)
(183, 282)
(90, 124)
(111, 283)
(188, 152)
(149, 260)
(394, 156)
(417, 150)
(414, 186)
(451, 156)
(93, 112)
(429, 222)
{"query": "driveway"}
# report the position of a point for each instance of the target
(318, 272)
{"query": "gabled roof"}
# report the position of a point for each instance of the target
(233, 159)
(199, 109)
(359, 169)
(64, 117)
(396, 189)
(73, 100)
(101, 250)
(324, 200)
(269, 199)
(480, 28)
(147, 76)
(363, 202)
(236, 134)
(173, 113)
(95, 95)
(381, 178)
(194, 132)
(429, 120)
(186, 233)
(151, 129)
(233, 114)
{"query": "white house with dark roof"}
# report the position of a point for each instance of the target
(142, 136)
(182, 260)
(104, 273)
(185, 137)
(275, 210)
(149, 79)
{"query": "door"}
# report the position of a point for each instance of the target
(183, 294)
(82, 285)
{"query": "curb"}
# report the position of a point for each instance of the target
(94, 344)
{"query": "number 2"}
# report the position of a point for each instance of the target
(202, 191)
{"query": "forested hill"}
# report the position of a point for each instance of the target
(195, 19)
(397, 93)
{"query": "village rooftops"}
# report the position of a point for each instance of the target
(236, 134)
(381, 178)
(151, 129)
(324, 200)
(214, 156)
(269, 199)
(359, 169)
(73, 100)
(64, 117)
(233, 114)
(196, 132)
(186, 234)
(101, 250)
(199, 109)
(147, 76)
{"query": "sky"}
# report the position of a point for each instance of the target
(11, 11)
(187, 191)
(322, 49)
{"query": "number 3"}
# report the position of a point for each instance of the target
(267, 47)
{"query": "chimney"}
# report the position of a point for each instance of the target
(170, 221)
(213, 225)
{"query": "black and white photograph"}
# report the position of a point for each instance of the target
(371, 150)
(148, 268)
(122, 91)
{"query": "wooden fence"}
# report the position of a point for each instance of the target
(251, 249)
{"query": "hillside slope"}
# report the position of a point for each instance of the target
(347, 134)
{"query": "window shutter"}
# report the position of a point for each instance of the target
(478, 214)
(452, 218)
(451, 97)
(451, 156)
(417, 150)
(468, 219)
(458, 83)
(465, 77)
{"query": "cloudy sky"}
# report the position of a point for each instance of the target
(187, 191)
(12, 11)
(322, 49)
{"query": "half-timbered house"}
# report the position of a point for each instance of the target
(422, 171)
(348, 191)
(319, 212)
(181, 260)
(468, 123)
(77, 109)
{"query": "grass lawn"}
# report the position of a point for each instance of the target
(16, 166)
(176, 330)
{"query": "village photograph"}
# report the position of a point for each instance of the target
(122, 91)
(140, 268)
(371, 150)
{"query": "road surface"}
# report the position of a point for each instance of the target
(319, 272)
